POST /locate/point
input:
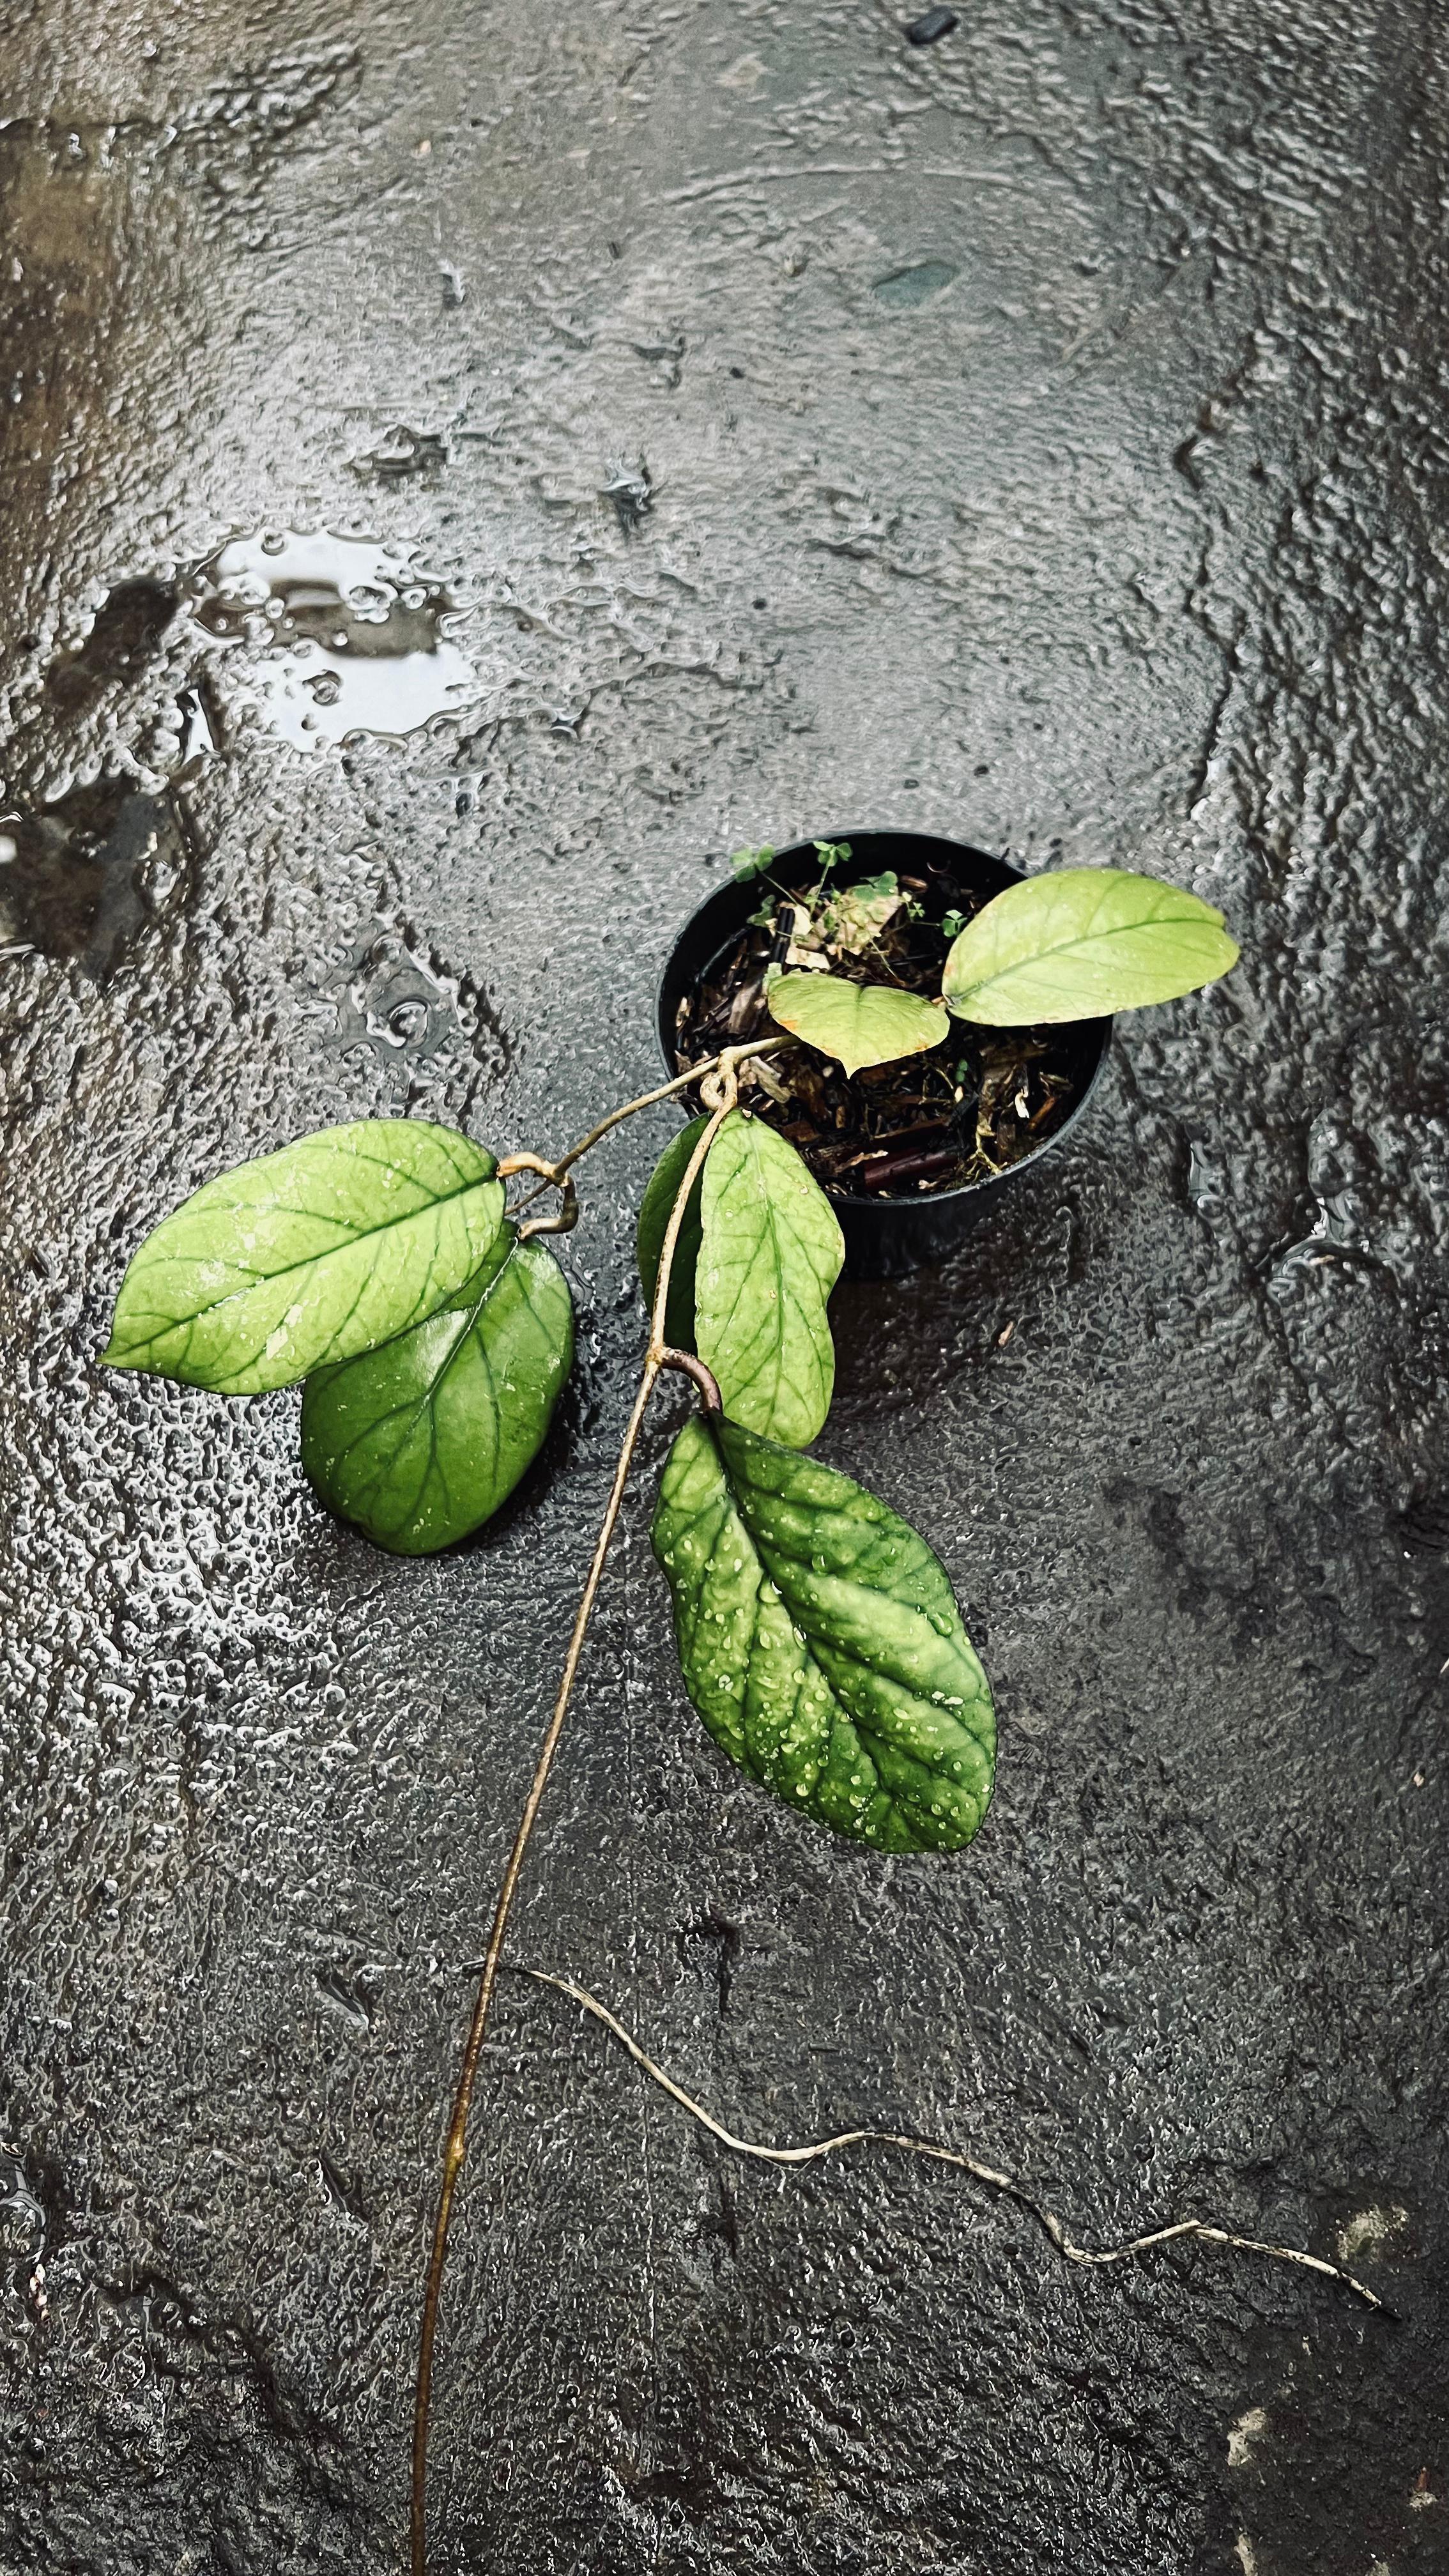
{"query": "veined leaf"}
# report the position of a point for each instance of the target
(420, 1440)
(1080, 942)
(859, 1024)
(770, 1253)
(654, 1215)
(821, 1642)
(308, 1255)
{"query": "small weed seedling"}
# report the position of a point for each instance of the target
(380, 1266)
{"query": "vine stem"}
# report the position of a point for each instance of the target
(719, 1084)
(555, 1174)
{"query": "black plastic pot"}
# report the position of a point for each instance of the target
(885, 1237)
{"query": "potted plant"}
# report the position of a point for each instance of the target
(380, 1266)
(921, 1122)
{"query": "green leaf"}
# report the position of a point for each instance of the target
(1080, 942)
(821, 1643)
(857, 1023)
(419, 1441)
(750, 863)
(307, 1256)
(770, 1253)
(654, 1215)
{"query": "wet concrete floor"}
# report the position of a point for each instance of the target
(1037, 436)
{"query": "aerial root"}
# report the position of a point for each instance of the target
(1180, 2229)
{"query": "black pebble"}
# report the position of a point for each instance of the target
(936, 22)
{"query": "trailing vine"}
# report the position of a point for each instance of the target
(381, 1266)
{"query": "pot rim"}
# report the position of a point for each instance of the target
(965, 850)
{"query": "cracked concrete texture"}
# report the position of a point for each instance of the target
(1038, 438)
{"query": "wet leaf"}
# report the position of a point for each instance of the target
(770, 1253)
(821, 1642)
(1080, 942)
(420, 1440)
(307, 1256)
(858, 1024)
(654, 1215)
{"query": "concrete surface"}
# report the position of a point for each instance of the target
(1038, 437)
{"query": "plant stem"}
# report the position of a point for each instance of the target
(719, 1091)
(556, 1172)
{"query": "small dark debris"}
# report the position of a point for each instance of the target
(129, 625)
(1425, 1527)
(70, 872)
(935, 23)
(403, 455)
(632, 494)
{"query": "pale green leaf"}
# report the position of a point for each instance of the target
(1079, 943)
(655, 1211)
(859, 1024)
(307, 1256)
(420, 1440)
(770, 1253)
(821, 1642)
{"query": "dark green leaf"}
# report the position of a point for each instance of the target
(307, 1256)
(858, 1024)
(420, 1440)
(654, 1215)
(770, 1253)
(821, 1642)
(1080, 942)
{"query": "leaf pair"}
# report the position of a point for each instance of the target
(758, 1253)
(1074, 944)
(374, 1261)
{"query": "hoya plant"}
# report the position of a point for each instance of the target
(383, 1267)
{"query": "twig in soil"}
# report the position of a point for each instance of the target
(1047, 2219)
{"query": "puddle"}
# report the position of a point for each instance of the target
(70, 873)
(334, 636)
